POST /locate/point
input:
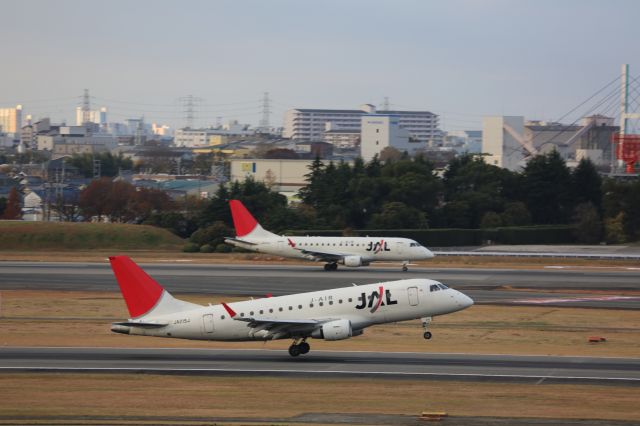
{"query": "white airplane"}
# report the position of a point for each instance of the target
(330, 314)
(348, 251)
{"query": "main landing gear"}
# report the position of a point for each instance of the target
(405, 266)
(330, 266)
(425, 324)
(299, 348)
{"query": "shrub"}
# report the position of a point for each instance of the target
(191, 248)
(206, 248)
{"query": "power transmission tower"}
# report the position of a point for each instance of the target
(189, 104)
(386, 106)
(266, 112)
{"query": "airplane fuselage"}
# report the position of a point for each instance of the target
(368, 249)
(362, 306)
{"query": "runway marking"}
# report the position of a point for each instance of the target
(341, 372)
(626, 268)
(321, 351)
(574, 299)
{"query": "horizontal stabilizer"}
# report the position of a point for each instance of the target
(141, 324)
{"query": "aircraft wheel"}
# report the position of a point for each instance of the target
(334, 266)
(405, 269)
(427, 335)
(304, 348)
(294, 350)
(327, 267)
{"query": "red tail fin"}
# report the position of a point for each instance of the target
(243, 221)
(140, 291)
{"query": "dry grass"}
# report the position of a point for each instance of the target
(150, 395)
(57, 318)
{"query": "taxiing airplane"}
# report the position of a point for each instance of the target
(329, 314)
(348, 251)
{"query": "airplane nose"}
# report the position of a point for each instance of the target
(428, 254)
(464, 301)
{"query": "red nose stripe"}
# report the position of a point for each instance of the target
(140, 291)
(243, 221)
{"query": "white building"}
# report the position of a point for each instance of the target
(285, 176)
(98, 116)
(310, 124)
(381, 131)
(501, 140)
(201, 137)
(11, 119)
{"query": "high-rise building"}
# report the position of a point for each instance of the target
(11, 119)
(98, 116)
(310, 124)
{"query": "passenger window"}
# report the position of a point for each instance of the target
(340, 301)
(221, 316)
(261, 311)
(331, 302)
(311, 305)
(280, 309)
(270, 311)
(291, 308)
(299, 306)
(251, 313)
(241, 314)
(350, 300)
(321, 304)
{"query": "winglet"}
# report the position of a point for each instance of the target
(230, 311)
(243, 221)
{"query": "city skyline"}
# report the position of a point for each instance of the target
(459, 59)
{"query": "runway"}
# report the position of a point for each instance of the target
(550, 286)
(379, 365)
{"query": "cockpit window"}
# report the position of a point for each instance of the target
(434, 287)
(414, 245)
(442, 286)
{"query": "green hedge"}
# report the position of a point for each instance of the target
(551, 234)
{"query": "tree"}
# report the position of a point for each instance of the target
(588, 224)
(3, 205)
(212, 235)
(110, 164)
(516, 214)
(396, 215)
(13, 209)
(94, 199)
(546, 189)
(587, 184)
(390, 153)
(491, 220)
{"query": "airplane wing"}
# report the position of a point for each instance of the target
(277, 326)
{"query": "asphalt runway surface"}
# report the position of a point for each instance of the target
(379, 365)
(552, 286)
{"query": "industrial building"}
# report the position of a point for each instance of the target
(510, 141)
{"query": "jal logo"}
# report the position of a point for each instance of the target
(378, 246)
(374, 299)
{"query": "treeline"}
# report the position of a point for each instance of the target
(471, 194)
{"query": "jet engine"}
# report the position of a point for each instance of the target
(334, 330)
(353, 261)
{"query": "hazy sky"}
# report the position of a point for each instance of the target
(459, 58)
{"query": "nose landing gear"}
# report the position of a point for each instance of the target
(299, 348)
(425, 324)
(405, 266)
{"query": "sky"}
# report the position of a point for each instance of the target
(461, 59)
